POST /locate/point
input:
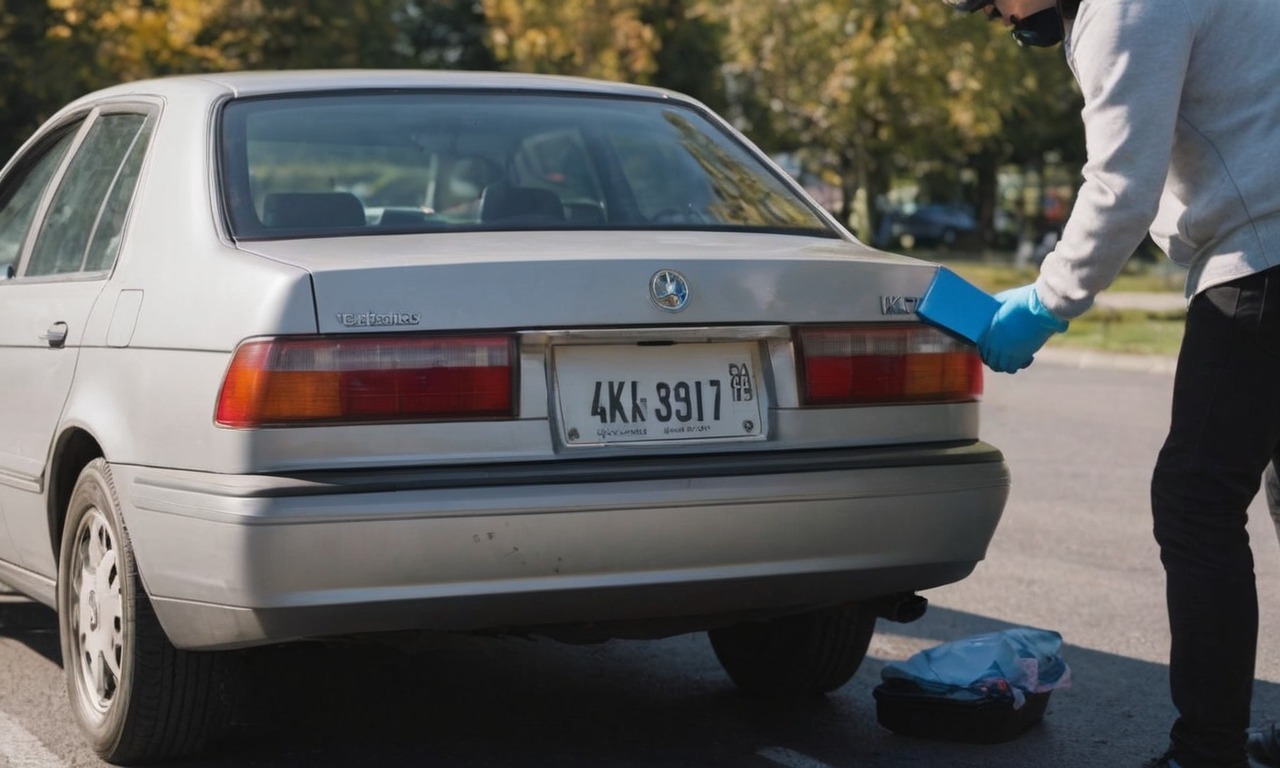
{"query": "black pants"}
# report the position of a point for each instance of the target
(1225, 430)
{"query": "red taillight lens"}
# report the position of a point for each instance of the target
(874, 365)
(275, 382)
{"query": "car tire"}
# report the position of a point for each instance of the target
(806, 654)
(135, 696)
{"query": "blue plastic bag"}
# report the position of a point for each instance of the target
(1006, 664)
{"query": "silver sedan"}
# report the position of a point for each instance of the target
(320, 354)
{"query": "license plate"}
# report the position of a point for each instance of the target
(631, 393)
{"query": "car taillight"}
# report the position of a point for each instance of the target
(313, 380)
(874, 365)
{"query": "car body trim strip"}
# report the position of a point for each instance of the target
(41, 588)
(22, 482)
(165, 490)
(562, 472)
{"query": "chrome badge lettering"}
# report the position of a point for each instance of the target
(378, 319)
(898, 305)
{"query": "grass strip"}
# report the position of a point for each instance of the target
(1130, 331)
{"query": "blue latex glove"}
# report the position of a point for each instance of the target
(1019, 328)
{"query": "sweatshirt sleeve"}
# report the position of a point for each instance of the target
(1130, 58)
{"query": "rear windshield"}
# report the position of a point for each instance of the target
(325, 165)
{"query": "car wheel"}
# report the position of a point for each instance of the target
(949, 237)
(807, 654)
(135, 696)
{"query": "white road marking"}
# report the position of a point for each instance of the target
(789, 758)
(22, 750)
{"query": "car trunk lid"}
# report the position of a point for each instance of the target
(523, 280)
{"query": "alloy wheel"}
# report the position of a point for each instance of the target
(97, 620)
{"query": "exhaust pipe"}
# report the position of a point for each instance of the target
(903, 608)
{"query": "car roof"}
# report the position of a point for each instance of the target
(264, 83)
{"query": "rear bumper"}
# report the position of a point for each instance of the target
(236, 560)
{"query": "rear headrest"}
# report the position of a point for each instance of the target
(501, 201)
(312, 210)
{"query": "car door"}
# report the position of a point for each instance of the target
(60, 225)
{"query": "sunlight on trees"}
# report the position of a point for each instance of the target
(866, 94)
(594, 38)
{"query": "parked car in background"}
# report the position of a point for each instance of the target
(312, 355)
(933, 224)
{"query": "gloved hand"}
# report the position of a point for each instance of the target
(1018, 329)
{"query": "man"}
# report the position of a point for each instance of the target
(1182, 125)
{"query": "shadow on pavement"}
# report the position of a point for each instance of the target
(501, 702)
(32, 624)
(476, 701)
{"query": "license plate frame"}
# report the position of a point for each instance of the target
(608, 394)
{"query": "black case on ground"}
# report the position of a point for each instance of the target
(906, 709)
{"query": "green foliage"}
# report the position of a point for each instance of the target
(36, 73)
(445, 34)
(593, 38)
(690, 44)
(301, 34)
(1130, 331)
(863, 91)
(880, 89)
(1110, 329)
(997, 274)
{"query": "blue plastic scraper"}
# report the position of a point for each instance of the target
(956, 305)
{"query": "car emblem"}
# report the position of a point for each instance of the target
(669, 290)
(898, 305)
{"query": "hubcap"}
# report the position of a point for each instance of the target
(98, 616)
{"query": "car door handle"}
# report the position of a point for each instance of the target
(56, 336)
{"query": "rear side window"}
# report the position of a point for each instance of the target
(19, 201)
(82, 228)
(104, 242)
(384, 163)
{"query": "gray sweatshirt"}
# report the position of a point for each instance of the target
(1182, 128)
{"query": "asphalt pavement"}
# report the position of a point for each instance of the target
(1073, 357)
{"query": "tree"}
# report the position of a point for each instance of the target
(55, 50)
(115, 40)
(853, 83)
(863, 91)
(302, 34)
(1043, 128)
(109, 41)
(876, 88)
(33, 78)
(592, 38)
(445, 34)
(689, 56)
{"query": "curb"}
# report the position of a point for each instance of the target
(1087, 358)
(1151, 302)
